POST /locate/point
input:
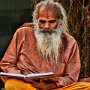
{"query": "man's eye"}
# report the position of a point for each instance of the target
(52, 21)
(42, 21)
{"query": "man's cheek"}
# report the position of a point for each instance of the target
(41, 26)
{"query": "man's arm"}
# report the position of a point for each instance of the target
(72, 66)
(72, 70)
(9, 61)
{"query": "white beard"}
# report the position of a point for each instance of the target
(49, 44)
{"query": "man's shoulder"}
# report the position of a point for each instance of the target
(70, 38)
(30, 24)
(25, 28)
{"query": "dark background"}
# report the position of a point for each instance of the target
(13, 13)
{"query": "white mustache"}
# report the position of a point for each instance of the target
(49, 31)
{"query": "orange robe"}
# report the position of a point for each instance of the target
(14, 84)
(22, 57)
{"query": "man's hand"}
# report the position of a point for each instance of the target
(43, 85)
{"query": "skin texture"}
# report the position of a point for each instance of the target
(47, 18)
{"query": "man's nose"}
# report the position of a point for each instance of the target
(47, 25)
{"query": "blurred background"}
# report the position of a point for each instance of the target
(14, 13)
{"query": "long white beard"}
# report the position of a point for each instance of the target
(49, 44)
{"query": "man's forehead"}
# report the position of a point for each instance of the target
(45, 19)
(48, 13)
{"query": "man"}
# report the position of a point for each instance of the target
(44, 47)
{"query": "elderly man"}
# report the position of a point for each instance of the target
(46, 46)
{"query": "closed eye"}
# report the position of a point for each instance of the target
(52, 21)
(42, 21)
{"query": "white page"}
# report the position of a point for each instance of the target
(32, 75)
(11, 74)
(39, 74)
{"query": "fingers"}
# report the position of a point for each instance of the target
(42, 85)
(51, 80)
(34, 84)
(56, 79)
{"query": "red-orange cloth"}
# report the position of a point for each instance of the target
(22, 57)
(14, 84)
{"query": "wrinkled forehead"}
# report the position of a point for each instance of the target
(48, 12)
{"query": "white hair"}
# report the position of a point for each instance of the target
(61, 13)
(49, 44)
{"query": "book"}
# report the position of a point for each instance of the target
(30, 76)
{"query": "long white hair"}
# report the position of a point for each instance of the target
(61, 13)
(49, 44)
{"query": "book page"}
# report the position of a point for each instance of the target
(32, 75)
(40, 75)
(11, 74)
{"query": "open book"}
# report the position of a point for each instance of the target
(31, 76)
